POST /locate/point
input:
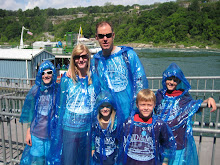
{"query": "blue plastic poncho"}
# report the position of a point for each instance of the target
(74, 114)
(123, 74)
(38, 109)
(147, 144)
(177, 112)
(105, 142)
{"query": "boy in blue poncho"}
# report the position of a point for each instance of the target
(117, 69)
(38, 110)
(105, 128)
(175, 106)
(147, 139)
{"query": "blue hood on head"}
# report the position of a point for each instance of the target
(174, 70)
(104, 97)
(46, 65)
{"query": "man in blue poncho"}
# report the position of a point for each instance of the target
(117, 69)
(38, 110)
(175, 106)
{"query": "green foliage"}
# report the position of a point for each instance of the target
(169, 22)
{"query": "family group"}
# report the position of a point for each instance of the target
(102, 112)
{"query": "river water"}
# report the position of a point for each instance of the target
(192, 62)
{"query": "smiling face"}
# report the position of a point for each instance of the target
(81, 60)
(171, 83)
(47, 76)
(105, 109)
(145, 108)
(105, 37)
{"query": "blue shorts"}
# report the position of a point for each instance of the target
(179, 157)
(40, 147)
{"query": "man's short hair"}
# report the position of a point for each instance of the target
(146, 95)
(100, 24)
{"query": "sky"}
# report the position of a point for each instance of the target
(57, 4)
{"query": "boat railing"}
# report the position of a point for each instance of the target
(197, 83)
(206, 125)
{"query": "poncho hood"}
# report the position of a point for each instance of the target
(46, 65)
(104, 97)
(174, 70)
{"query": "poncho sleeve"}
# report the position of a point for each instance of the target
(56, 135)
(28, 108)
(167, 142)
(139, 77)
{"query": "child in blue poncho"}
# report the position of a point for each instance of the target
(71, 136)
(104, 137)
(147, 140)
(176, 107)
(38, 110)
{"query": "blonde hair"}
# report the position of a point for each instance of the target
(112, 118)
(146, 95)
(74, 71)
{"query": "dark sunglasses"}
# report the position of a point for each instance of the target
(77, 57)
(174, 79)
(47, 72)
(101, 36)
(107, 105)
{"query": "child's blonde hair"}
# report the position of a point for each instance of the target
(74, 71)
(112, 118)
(146, 95)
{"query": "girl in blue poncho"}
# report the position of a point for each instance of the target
(38, 110)
(104, 136)
(175, 106)
(72, 132)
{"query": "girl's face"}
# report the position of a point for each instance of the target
(81, 60)
(47, 76)
(105, 109)
(172, 82)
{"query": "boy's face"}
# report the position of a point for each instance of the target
(171, 83)
(105, 109)
(47, 76)
(145, 108)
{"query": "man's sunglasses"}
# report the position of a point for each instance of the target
(77, 57)
(174, 79)
(47, 72)
(101, 36)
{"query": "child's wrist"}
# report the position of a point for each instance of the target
(165, 160)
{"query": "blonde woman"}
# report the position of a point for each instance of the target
(72, 134)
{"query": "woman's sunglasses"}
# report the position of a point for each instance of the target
(77, 57)
(101, 36)
(174, 79)
(47, 72)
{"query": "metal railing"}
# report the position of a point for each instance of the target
(206, 125)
